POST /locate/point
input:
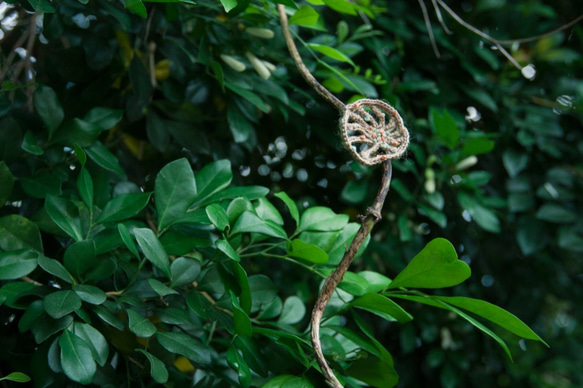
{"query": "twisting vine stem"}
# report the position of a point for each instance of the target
(374, 133)
(293, 50)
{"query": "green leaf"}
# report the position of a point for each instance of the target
(434, 215)
(123, 206)
(90, 294)
(95, 340)
(46, 102)
(249, 192)
(76, 358)
(293, 311)
(552, 212)
(213, 178)
(41, 185)
(80, 154)
(175, 189)
(444, 126)
(470, 319)
(60, 303)
(532, 235)
(66, 215)
(48, 327)
(160, 288)
(288, 381)
(331, 52)
(137, 7)
(263, 292)
(33, 314)
(140, 325)
(85, 187)
(436, 266)
(104, 118)
(127, 239)
(101, 155)
(184, 271)
(227, 249)
(309, 252)
(305, 16)
(320, 218)
(476, 146)
(291, 205)
(186, 346)
(482, 215)
(514, 161)
(17, 377)
(218, 216)
(108, 317)
(30, 144)
(494, 314)
(55, 268)
(229, 4)
(240, 318)
(341, 6)
(6, 183)
(245, 289)
(158, 370)
(251, 355)
(153, 249)
(80, 257)
(267, 212)
(250, 223)
(383, 307)
(16, 264)
(373, 371)
(240, 127)
(249, 96)
(352, 283)
(376, 281)
(238, 364)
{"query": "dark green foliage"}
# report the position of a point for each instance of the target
(170, 202)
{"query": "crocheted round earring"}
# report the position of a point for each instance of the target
(373, 131)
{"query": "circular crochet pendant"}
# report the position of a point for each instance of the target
(373, 131)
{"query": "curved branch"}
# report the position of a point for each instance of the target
(368, 222)
(322, 91)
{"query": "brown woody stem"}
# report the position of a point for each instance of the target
(322, 91)
(373, 213)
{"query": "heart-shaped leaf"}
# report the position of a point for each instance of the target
(436, 266)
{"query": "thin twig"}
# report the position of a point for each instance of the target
(537, 37)
(368, 222)
(440, 18)
(322, 91)
(429, 29)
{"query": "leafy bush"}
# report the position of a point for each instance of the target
(131, 254)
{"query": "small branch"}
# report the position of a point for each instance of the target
(31, 281)
(537, 37)
(322, 91)
(368, 222)
(429, 29)
(440, 18)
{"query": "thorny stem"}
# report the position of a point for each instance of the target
(373, 214)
